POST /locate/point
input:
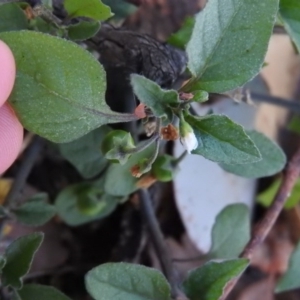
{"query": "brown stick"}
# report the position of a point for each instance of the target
(262, 229)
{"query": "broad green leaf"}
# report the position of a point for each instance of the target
(290, 16)
(291, 279)
(180, 38)
(70, 204)
(266, 197)
(85, 154)
(231, 232)
(34, 212)
(294, 124)
(222, 140)
(153, 96)
(208, 281)
(12, 17)
(124, 281)
(121, 8)
(93, 9)
(118, 178)
(273, 159)
(40, 292)
(59, 91)
(19, 255)
(83, 30)
(229, 43)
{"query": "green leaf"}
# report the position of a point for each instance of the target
(93, 9)
(273, 159)
(208, 281)
(38, 24)
(83, 30)
(124, 281)
(120, 8)
(117, 146)
(69, 204)
(152, 95)
(200, 96)
(34, 212)
(291, 279)
(294, 124)
(229, 43)
(119, 180)
(19, 255)
(12, 18)
(231, 232)
(59, 91)
(222, 140)
(266, 197)
(84, 153)
(183, 35)
(164, 168)
(290, 16)
(40, 292)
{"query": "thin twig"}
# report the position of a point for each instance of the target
(262, 229)
(290, 104)
(24, 170)
(159, 244)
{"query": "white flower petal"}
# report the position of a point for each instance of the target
(190, 141)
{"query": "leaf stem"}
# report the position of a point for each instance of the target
(180, 158)
(142, 146)
(159, 244)
(262, 229)
(155, 153)
(289, 104)
(47, 15)
(24, 170)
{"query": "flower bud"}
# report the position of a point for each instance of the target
(187, 135)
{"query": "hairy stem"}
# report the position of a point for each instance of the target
(262, 229)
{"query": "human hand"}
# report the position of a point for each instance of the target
(11, 131)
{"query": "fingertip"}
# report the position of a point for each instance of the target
(11, 137)
(7, 72)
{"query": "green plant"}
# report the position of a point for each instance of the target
(56, 98)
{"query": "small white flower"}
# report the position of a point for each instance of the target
(187, 135)
(189, 141)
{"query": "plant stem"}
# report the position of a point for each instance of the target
(155, 153)
(143, 145)
(289, 104)
(262, 229)
(47, 15)
(180, 158)
(157, 239)
(28, 161)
